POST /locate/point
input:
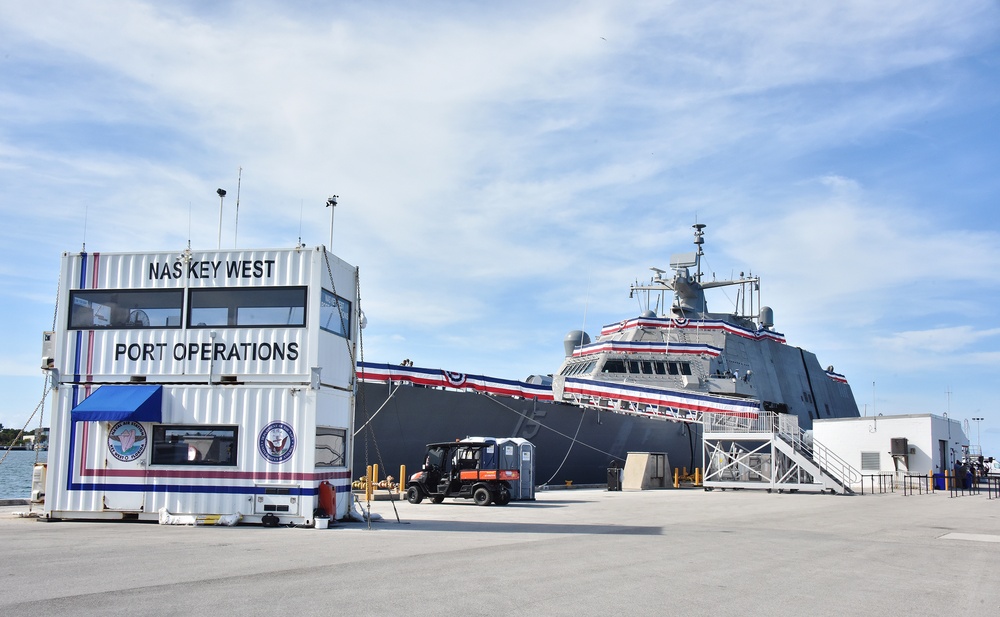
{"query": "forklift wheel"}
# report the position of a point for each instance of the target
(482, 496)
(413, 495)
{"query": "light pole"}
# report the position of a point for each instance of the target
(979, 441)
(331, 203)
(222, 196)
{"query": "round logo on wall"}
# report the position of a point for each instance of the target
(276, 442)
(127, 441)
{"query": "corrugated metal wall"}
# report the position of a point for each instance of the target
(272, 367)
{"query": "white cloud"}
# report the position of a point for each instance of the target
(503, 172)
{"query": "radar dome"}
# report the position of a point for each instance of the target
(766, 317)
(648, 314)
(575, 338)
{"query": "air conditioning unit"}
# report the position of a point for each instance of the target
(899, 446)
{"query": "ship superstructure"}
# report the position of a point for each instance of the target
(686, 360)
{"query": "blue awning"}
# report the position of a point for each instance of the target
(117, 403)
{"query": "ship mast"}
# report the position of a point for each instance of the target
(699, 241)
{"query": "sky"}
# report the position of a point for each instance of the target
(506, 170)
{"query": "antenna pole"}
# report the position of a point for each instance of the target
(86, 215)
(222, 196)
(331, 203)
(239, 180)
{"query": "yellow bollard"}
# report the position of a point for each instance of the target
(375, 476)
(930, 481)
(697, 476)
(946, 474)
(677, 481)
(402, 480)
(368, 483)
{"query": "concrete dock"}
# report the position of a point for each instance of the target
(571, 552)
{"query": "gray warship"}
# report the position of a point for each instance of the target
(641, 386)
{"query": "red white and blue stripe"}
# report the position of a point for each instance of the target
(666, 323)
(672, 400)
(836, 377)
(657, 347)
(437, 378)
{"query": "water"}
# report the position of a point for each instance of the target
(15, 473)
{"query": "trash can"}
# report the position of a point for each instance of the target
(614, 479)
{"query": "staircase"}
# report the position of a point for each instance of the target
(771, 452)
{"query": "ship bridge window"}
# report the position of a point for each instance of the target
(330, 446)
(579, 368)
(335, 314)
(613, 366)
(678, 368)
(660, 368)
(125, 308)
(194, 445)
(248, 307)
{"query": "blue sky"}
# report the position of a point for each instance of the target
(505, 171)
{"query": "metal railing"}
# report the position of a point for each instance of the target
(917, 484)
(721, 423)
(975, 485)
(886, 483)
(825, 458)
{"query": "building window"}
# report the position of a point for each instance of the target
(331, 447)
(254, 307)
(194, 445)
(125, 309)
(870, 461)
(335, 314)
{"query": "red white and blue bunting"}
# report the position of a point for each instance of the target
(665, 402)
(437, 378)
(656, 347)
(836, 377)
(623, 398)
(665, 323)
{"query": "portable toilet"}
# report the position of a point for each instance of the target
(519, 453)
(514, 453)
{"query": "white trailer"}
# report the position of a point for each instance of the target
(203, 383)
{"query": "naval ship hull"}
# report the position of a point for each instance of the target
(571, 443)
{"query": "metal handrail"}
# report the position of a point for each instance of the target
(885, 480)
(722, 423)
(923, 483)
(825, 458)
(786, 427)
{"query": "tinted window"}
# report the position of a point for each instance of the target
(194, 445)
(248, 307)
(125, 308)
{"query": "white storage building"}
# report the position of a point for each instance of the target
(910, 443)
